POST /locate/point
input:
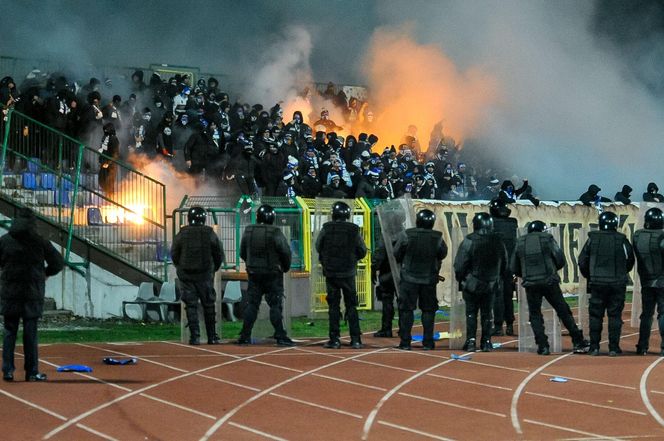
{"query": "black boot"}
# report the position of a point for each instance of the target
(543, 350)
(356, 342)
(192, 323)
(332, 343)
(469, 345)
(211, 328)
(486, 345)
(383, 334)
(509, 329)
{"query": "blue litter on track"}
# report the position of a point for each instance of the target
(420, 337)
(559, 379)
(74, 368)
(119, 361)
(461, 357)
(496, 345)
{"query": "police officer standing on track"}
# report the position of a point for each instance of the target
(649, 249)
(605, 260)
(479, 264)
(22, 283)
(197, 254)
(536, 260)
(420, 252)
(266, 252)
(340, 246)
(503, 307)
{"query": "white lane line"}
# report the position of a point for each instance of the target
(96, 432)
(410, 371)
(415, 431)
(447, 403)
(354, 383)
(232, 383)
(257, 432)
(178, 406)
(517, 393)
(233, 411)
(232, 356)
(147, 360)
(319, 406)
(519, 390)
(622, 437)
(90, 377)
(493, 386)
(586, 403)
(89, 412)
(644, 392)
(497, 366)
(372, 416)
(583, 380)
(567, 429)
(34, 405)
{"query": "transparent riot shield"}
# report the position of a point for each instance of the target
(263, 331)
(583, 290)
(457, 305)
(395, 217)
(637, 305)
(551, 322)
(322, 213)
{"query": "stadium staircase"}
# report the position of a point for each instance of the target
(121, 230)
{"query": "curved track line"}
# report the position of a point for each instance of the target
(517, 393)
(644, 392)
(372, 416)
(86, 414)
(264, 392)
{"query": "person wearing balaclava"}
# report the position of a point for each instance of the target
(623, 195)
(110, 154)
(591, 197)
(310, 184)
(273, 162)
(652, 194)
(508, 194)
(137, 84)
(242, 166)
(26, 261)
(298, 128)
(200, 151)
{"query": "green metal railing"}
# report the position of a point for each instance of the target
(57, 176)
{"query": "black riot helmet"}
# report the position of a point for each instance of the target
(425, 219)
(536, 226)
(482, 223)
(340, 212)
(653, 220)
(498, 208)
(197, 216)
(608, 221)
(265, 214)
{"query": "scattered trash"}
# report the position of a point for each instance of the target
(74, 368)
(465, 357)
(443, 313)
(436, 336)
(559, 379)
(119, 361)
(310, 323)
(496, 345)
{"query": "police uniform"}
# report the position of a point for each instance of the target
(536, 260)
(478, 266)
(503, 308)
(340, 246)
(649, 250)
(197, 254)
(420, 252)
(267, 255)
(605, 260)
(22, 283)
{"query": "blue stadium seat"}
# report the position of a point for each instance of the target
(33, 165)
(29, 181)
(94, 216)
(47, 181)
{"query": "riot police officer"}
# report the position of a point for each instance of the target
(340, 246)
(266, 252)
(605, 260)
(479, 264)
(503, 308)
(197, 254)
(536, 260)
(649, 249)
(420, 252)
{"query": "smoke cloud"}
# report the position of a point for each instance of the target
(418, 84)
